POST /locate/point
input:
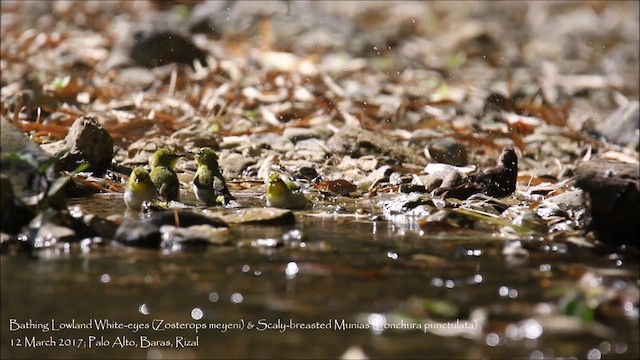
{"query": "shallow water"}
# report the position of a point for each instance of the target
(344, 272)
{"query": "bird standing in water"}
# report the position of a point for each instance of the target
(209, 185)
(163, 175)
(140, 188)
(280, 195)
(501, 179)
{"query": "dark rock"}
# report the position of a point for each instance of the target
(157, 48)
(613, 198)
(358, 142)
(410, 188)
(138, 234)
(14, 214)
(87, 142)
(183, 218)
(308, 172)
(295, 134)
(500, 180)
(448, 151)
(53, 227)
(103, 227)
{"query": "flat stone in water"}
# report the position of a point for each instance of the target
(139, 234)
(196, 235)
(183, 218)
(264, 216)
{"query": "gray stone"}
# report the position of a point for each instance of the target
(448, 151)
(358, 142)
(196, 235)
(264, 216)
(570, 200)
(50, 234)
(430, 182)
(621, 127)
(234, 164)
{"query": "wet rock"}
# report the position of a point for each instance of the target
(407, 204)
(411, 188)
(183, 218)
(337, 187)
(14, 214)
(50, 234)
(51, 227)
(380, 174)
(613, 199)
(448, 151)
(138, 234)
(429, 182)
(525, 217)
(19, 161)
(263, 216)
(157, 48)
(103, 227)
(86, 142)
(308, 173)
(358, 142)
(196, 235)
(9, 242)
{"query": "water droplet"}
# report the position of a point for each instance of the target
(213, 297)
(143, 309)
(196, 314)
(291, 270)
(492, 339)
(237, 298)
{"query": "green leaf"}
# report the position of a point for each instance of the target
(57, 185)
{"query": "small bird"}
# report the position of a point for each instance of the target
(280, 195)
(140, 188)
(163, 175)
(209, 185)
(501, 179)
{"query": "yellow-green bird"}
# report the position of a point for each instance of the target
(209, 185)
(280, 195)
(163, 175)
(140, 188)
